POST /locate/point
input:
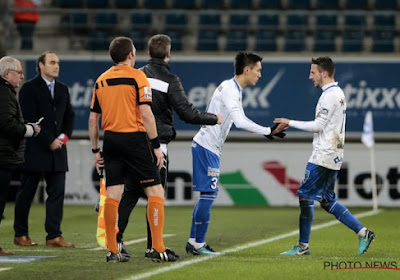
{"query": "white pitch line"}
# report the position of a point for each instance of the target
(5, 268)
(242, 247)
(130, 242)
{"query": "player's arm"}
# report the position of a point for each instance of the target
(325, 113)
(94, 139)
(185, 109)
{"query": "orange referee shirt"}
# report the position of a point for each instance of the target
(117, 94)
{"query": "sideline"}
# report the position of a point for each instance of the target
(242, 247)
(5, 268)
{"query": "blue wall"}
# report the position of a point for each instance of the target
(283, 90)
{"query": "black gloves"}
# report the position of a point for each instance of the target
(281, 134)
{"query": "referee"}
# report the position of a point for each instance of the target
(122, 96)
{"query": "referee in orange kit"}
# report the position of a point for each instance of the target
(122, 96)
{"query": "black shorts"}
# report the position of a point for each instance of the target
(129, 154)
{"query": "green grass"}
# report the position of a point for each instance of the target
(230, 227)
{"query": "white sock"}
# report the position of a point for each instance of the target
(192, 241)
(199, 245)
(362, 232)
(303, 245)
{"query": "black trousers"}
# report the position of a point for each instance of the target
(55, 189)
(130, 197)
(5, 179)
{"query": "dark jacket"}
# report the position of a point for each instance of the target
(12, 126)
(36, 102)
(174, 98)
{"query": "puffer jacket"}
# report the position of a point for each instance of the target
(169, 96)
(12, 126)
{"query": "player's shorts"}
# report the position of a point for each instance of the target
(205, 169)
(129, 154)
(318, 183)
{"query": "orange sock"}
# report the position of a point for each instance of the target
(155, 215)
(110, 219)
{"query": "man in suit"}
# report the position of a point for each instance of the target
(45, 155)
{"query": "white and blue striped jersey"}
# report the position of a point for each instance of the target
(227, 100)
(328, 127)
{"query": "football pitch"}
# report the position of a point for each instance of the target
(250, 238)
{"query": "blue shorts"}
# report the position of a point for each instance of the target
(205, 169)
(318, 183)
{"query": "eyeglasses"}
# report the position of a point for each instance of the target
(20, 72)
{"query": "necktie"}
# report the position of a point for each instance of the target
(51, 90)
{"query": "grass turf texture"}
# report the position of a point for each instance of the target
(230, 227)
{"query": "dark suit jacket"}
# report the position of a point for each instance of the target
(36, 102)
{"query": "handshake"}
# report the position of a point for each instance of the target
(277, 130)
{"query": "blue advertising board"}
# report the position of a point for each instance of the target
(284, 89)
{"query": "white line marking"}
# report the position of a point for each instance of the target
(5, 268)
(239, 248)
(130, 242)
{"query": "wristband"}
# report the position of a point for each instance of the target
(95, 151)
(155, 143)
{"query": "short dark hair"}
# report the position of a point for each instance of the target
(159, 45)
(244, 59)
(42, 59)
(120, 48)
(325, 63)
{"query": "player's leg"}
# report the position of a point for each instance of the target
(341, 213)
(206, 169)
(308, 192)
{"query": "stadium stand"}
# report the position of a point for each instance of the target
(266, 41)
(276, 25)
(236, 41)
(353, 41)
(126, 4)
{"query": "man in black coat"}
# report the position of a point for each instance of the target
(168, 96)
(45, 155)
(12, 127)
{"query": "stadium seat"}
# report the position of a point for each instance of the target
(268, 21)
(176, 20)
(356, 4)
(241, 4)
(106, 20)
(325, 20)
(70, 3)
(353, 41)
(236, 41)
(382, 41)
(385, 20)
(139, 39)
(297, 20)
(176, 39)
(184, 4)
(299, 4)
(210, 20)
(295, 41)
(155, 4)
(269, 4)
(239, 21)
(355, 20)
(126, 4)
(98, 40)
(207, 41)
(97, 4)
(212, 4)
(386, 4)
(77, 21)
(328, 4)
(141, 20)
(324, 41)
(265, 41)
